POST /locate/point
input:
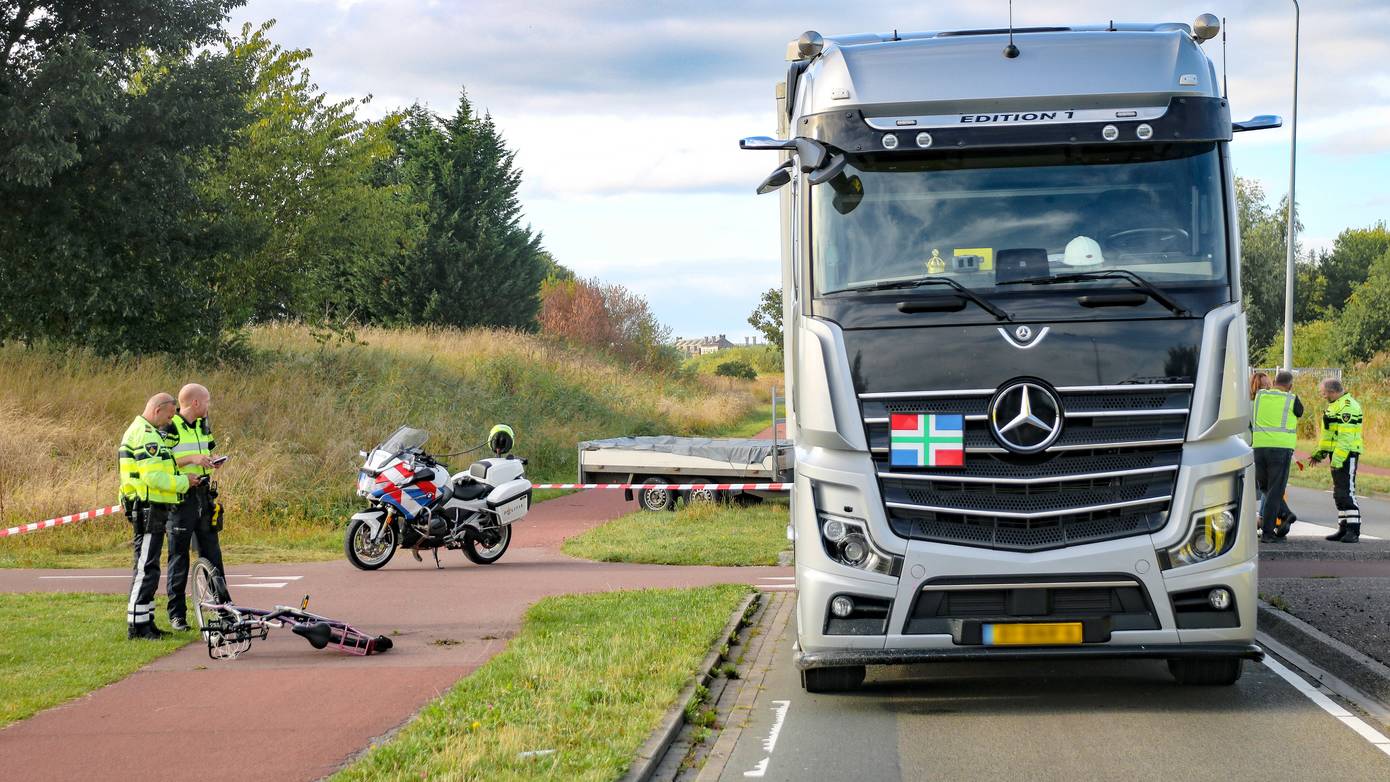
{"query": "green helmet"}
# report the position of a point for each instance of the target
(501, 439)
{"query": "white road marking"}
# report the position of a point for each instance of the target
(262, 585)
(166, 576)
(272, 578)
(779, 715)
(1307, 529)
(1375, 737)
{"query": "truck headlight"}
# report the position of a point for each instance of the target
(846, 542)
(1213, 533)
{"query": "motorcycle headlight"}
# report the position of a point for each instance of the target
(1213, 533)
(846, 542)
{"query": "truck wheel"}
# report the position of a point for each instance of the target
(1206, 673)
(656, 499)
(841, 679)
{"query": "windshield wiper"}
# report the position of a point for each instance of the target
(919, 282)
(1122, 274)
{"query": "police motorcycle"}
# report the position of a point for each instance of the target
(415, 502)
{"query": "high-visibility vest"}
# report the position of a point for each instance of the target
(1341, 429)
(1275, 425)
(147, 465)
(194, 438)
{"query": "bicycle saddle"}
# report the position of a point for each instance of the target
(318, 634)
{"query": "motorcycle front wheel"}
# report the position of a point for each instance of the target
(482, 553)
(365, 553)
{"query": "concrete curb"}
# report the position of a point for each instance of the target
(650, 755)
(1368, 675)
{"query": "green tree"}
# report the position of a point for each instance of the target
(1363, 329)
(1262, 261)
(1349, 263)
(108, 124)
(320, 226)
(64, 67)
(477, 263)
(767, 317)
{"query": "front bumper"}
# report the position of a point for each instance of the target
(830, 658)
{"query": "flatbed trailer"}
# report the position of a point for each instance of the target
(665, 459)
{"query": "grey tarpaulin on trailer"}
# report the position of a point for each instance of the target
(735, 451)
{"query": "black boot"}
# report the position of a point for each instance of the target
(1340, 533)
(1353, 532)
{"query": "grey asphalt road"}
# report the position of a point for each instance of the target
(1120, 720)
(1315, 505)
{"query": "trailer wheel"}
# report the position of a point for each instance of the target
(695, 496)
(656, 499)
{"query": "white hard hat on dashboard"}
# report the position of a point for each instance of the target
(1083, 251)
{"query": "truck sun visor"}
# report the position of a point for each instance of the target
(1184, 120)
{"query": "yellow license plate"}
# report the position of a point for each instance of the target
(1043, 634)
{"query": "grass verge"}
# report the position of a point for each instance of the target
(56, 647)
(294, 414)
(575, 694)
(1319, 479)
(700, 534)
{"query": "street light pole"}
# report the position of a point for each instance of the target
(1289, 271)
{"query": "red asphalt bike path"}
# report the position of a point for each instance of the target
(287, 711)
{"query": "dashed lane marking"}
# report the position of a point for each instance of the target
(1375, 737)
(779, 715)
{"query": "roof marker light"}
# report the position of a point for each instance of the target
(924, 139)
(1109, 132)
(890, 141)
(1144, 132)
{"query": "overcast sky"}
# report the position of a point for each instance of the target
(626, 113)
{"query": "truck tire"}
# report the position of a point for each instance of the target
(841, 679)
(655, 499)
(1207, 673)
(695, 496)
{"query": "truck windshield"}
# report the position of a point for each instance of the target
(984, 218)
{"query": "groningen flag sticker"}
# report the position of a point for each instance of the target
(920, 440)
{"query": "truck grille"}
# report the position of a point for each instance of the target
(1109, 475)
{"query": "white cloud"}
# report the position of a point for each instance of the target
(626, 113)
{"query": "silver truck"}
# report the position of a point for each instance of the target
(1016, 350)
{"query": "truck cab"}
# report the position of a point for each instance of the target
(1016, 350)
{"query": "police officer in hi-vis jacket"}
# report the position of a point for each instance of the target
(1341, 440)
(150, 488)
(197, 516)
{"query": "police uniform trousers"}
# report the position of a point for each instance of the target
(190, 520)
(1344, 491)
(149, 524)
(1271, 481)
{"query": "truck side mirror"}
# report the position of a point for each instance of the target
(1262, 122)
(780, 176)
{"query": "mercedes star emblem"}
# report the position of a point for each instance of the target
(1023, 333)
(1025, 416)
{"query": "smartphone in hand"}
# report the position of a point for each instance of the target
(217, 462)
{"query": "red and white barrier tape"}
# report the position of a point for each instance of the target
(673, 486)
(92, 514)
(71, 519)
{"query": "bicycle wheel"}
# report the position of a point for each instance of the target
(208, 587)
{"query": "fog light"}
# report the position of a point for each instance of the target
(1223, 521)
(842, 606)
(1219, 598)
(835, 531)
(855, 549)
(890, 141)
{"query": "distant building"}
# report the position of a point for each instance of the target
(703, 345)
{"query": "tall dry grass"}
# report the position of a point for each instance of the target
(1368, 388)
(294, 415)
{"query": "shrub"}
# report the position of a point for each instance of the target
(737, 368)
